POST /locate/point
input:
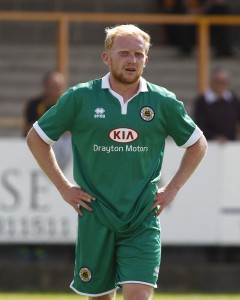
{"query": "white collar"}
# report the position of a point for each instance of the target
(142, 86)
(211, 97)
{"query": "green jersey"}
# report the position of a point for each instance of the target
(118, 147)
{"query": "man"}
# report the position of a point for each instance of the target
(53, 86)
(217, 110)
(220, 34)
(119, 125)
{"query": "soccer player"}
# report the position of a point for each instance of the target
(119, 125)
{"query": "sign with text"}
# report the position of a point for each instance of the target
(205, 212)
(31, 209)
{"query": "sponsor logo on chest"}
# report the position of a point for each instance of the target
(99, 113)
(123, 135)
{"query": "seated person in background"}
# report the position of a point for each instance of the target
(184, 35)
(220, 34)
(53, 86)
(181, 35)
(217, 110)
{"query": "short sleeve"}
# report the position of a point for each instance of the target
(180, 126)
(58, 119)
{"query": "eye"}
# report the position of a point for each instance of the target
(123, 53)
(139, 54)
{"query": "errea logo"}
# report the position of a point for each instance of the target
(99, 113)
(123, 135)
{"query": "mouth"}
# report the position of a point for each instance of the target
(129, 69)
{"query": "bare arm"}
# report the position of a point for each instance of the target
(189, 163)
(45, 157)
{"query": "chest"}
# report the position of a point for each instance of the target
(107, 118)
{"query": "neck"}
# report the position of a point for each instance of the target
(126, 90)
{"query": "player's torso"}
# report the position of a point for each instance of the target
(110, 125)
(119, 150)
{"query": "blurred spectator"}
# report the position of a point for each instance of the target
(184, 36)
(220, 35)
(53, 86)
(217, 111)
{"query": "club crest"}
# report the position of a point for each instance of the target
(147, 113)
(85, 274)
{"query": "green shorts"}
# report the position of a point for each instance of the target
(105, 259)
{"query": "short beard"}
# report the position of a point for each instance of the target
(121, 78)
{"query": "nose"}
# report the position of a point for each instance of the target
(131, 58)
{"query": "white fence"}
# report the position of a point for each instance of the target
(205, 212)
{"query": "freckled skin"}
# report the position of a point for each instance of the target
(126, 59)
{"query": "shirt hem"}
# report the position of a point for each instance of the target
(91, 295)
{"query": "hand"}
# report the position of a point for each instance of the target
(164, 196)
(76, 197)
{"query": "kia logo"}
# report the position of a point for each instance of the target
(123, 135)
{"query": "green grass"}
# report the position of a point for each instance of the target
(44, 296)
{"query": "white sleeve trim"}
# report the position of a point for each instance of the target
(197, 133)
(42, 134)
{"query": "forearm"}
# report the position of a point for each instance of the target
(189, 163)
(45, 157)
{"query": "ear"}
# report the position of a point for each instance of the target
(146, 61)
(106, 58)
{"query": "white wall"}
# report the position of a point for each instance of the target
(205, 212)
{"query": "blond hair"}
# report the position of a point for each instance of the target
(125, 30)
